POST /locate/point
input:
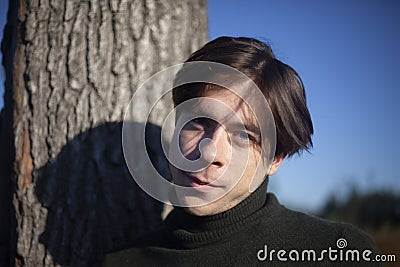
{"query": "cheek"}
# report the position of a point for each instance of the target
(254, 157)
(174, 173)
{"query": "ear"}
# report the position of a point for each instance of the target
(276, 164)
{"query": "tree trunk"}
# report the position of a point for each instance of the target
(71, 69)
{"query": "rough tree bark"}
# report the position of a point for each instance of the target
(71, 69)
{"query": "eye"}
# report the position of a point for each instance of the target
(244, 139)
(200, 123)
(241, 138)
(243, 135)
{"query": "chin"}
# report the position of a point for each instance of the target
(200, 211)
(209, 209)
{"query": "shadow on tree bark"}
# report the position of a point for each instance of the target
(92, 203)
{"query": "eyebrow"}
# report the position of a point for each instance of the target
(249, 127)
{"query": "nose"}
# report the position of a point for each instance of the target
(214, 147)
(207, 150)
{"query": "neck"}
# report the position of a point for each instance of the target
(181, 218)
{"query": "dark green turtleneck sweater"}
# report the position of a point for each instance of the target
(249, 234)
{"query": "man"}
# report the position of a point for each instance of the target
(228, 218)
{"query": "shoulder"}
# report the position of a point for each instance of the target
(134, 254)
(296, 228)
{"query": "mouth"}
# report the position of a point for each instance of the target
(194, 181)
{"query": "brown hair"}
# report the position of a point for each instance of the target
(280, 84)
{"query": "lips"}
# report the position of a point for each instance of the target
(195, 181)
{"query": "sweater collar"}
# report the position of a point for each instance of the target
(180, 219)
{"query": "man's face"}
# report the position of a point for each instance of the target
(231, 146)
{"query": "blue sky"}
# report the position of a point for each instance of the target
(347, 54)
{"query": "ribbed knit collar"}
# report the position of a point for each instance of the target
(190, 230)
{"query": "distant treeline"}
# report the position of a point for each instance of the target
(368, 210)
